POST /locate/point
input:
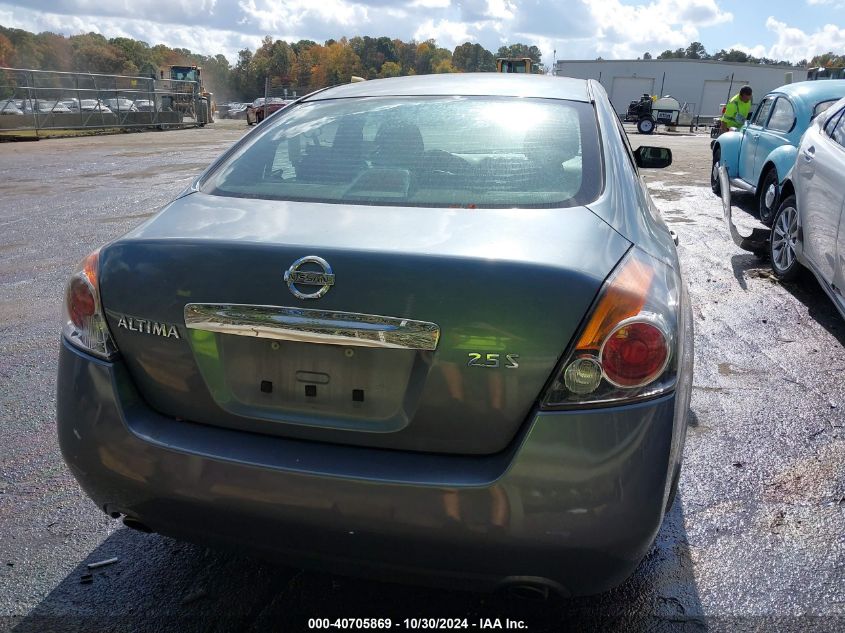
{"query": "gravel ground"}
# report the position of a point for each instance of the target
(755, 540)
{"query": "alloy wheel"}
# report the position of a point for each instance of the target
(784, 238)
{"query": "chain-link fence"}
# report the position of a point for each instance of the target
(35, 100)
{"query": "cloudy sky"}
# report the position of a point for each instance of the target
(577, 29)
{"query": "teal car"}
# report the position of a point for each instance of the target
(758, 156)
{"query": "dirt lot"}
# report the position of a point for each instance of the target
(755, 540)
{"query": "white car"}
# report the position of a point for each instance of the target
(31, 106)
(809, 226)
(9, 107)
(121, 105)
(94, 105)
(71, 104)
(145, 105)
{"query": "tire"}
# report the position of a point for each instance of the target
(645, 126)
(767, 200)
(202, 114)
(715, 184)
(783, 241)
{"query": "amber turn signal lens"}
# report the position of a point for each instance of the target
(624, 298)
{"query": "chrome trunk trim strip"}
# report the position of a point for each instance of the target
(325, 327)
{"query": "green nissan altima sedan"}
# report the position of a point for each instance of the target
(426, 328)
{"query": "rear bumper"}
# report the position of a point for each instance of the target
(576, 500)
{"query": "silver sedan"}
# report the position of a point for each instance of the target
(422, 327)
(809, 227)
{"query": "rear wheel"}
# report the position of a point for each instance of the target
(784, 239)
(768, 198)
(715, 185)
(645, 126)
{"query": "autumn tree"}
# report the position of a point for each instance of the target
(301, 66)
(217, 77)
(473, 58)
(27, 49)
(7, 51)
(92, 53)
(443, 66)
(406, 55)
(828, 60)
(336, 64)
(520, 50)
(243, 79)
(390, 69)
(56, 52)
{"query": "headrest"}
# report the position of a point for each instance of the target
(552, 143)
(398, 144)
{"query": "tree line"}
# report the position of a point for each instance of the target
(299, 67)
(696, 50)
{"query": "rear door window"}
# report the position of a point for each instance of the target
(839, 131)
(762, 115)
(783, 116)
(821, 107)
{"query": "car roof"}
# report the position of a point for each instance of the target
(813, 92)
(464, 84)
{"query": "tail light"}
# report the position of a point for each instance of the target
(84, 323)
(627, 349)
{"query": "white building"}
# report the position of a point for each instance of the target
(700, 84)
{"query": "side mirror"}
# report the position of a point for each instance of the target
(653, 157)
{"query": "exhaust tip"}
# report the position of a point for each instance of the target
(533, 588)
(135, 524)
(529, 592)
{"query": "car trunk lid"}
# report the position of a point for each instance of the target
(438, 332)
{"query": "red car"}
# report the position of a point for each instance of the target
(258, 109)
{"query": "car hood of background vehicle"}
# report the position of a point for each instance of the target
(523, 235)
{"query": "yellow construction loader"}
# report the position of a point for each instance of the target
(517, 65)
(199, 105)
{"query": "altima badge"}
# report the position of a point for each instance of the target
(296, 276)
(145, 326)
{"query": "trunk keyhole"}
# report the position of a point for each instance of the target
(311, 391)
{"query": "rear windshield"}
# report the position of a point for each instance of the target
(440, 152)
(821, 107)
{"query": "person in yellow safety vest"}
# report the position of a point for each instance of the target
(737, 110)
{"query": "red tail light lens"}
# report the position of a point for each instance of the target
(85, 323)
(627, 348)
(634, 354)
(81, 304)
